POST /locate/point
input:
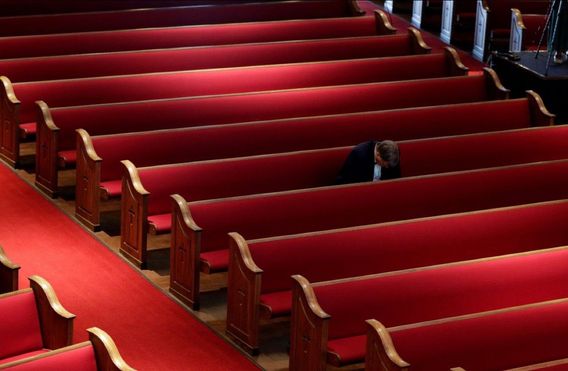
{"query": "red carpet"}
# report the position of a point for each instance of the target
(151, 331)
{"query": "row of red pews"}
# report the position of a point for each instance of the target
(465, 148)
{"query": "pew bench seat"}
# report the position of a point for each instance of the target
(259, 270)
(100, 156)
(99, 353)
(33, 321)
(202, 226)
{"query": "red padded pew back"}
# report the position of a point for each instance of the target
(496, 341)
(75, 92)
(184, 36)
(174, 16)
(317, 168)
(215, 110)
(396, 246)
(82, 359)
(203, 57)
(342, 206)
(223, 141)
(20, 328)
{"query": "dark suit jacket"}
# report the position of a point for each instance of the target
(360, 164)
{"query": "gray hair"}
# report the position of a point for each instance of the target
(388, 150)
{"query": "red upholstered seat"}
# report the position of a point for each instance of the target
(28, 129)
(21, 333)
(216, 261)
(277, 302)
(67, 159)
(347, 350)
(161, 223)
(81, 359)
(112, 188)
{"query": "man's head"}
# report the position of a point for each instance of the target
(386, 154)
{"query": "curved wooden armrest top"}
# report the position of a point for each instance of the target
(9, 90)
(107, 354)
(491, 75)
(45, 115)
(519, 18)
(244, 251)
(133, 177)
(181, 204)
(419, 44)
(310, 296)
(375, 328)
(456, 65)
(41, 287)
(383, 23)
(354, 8)
(538, 110)
(85, 138)
(4, 260)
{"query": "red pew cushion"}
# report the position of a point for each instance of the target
(277, 302)
(81, 359)
(67, 159)
(346, 350)
(113, 188)
(19, 329)
(161, 223)
(217, 261)
(28, 129)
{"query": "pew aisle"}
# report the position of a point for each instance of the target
(151, 330)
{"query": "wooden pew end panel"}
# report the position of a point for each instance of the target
(243, 295)
(56, 322)
(540, 116)
(495, 90)
(9, 123)
(383, 23)
(106, 353)
(417, 43)
(133, 216)
(381, 354)
(454, 63)
(9, 273)
(46, 150)
(185, 247)
(88, 175)
(309, 328)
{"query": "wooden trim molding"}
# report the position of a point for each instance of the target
(56, 323)
(133, 216)
(383, 23)
(540, 116)
(417, 43)
(309, 328)
(88, 180)
(495, 90)
(8, 273)
(9, 123)
(106, 353)
(354, 8)
(381, 354)
(454, 63)
(243, 295)
(46, 150)
(185, 248)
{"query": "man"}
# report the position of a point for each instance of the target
(559, 29)
(370, 161)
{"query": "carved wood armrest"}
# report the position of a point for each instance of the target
(8, 273)
(417, 43)
(381, 354)
(106, 353)
(495, 90)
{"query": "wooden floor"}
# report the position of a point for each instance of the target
(274, 335)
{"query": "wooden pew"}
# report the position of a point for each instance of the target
(199, 240)
(99, 353)
(8, 273)
(146, 190)
(56, 128)
(98, 157)
(36, 7)
(34, 321)
(493, 25)
(337, 309)
(458, 23)
(526, 31)
(187, 36)
(556, 365)
(211, 56)
(487, 340)
(19, 98)
(175, 16)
